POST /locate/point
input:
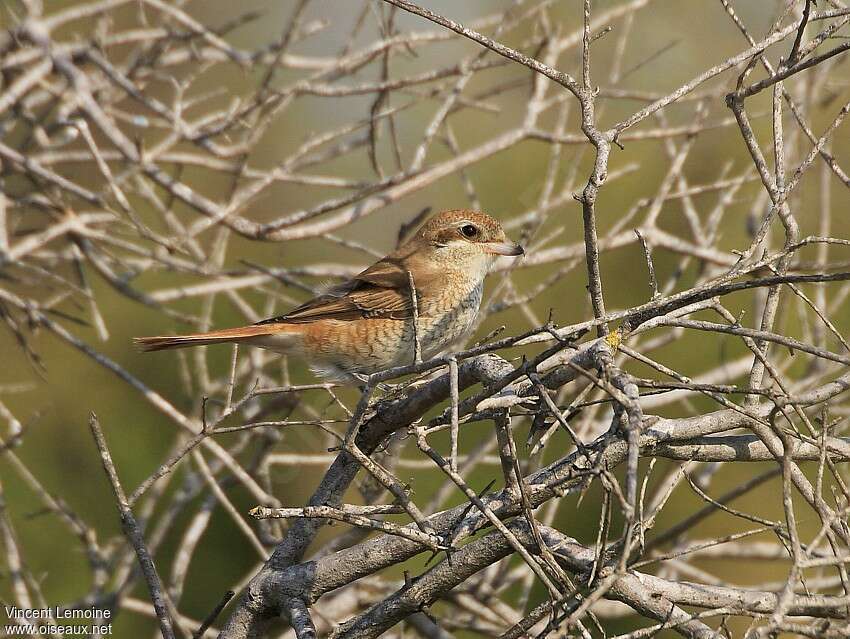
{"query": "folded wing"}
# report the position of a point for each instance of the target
(381, 291)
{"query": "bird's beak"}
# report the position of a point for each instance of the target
(504, 248)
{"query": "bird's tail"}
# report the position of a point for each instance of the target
(224, 336)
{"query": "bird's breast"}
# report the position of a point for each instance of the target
(446, 318)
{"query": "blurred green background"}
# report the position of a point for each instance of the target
(670, 42)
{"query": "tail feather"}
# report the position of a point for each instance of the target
(224, 336)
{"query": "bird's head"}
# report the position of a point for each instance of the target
(469, 239)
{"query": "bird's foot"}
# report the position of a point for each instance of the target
(364, 383)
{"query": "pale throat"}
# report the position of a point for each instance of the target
(462, 284)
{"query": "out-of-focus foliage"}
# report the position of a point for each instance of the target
(217, 201)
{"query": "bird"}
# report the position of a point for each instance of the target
(428, 291)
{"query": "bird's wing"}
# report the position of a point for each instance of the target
(381, 291)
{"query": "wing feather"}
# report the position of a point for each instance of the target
(381, 291)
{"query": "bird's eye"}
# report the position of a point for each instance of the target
(468, 230)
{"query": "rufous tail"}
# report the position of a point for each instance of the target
(224, 336)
